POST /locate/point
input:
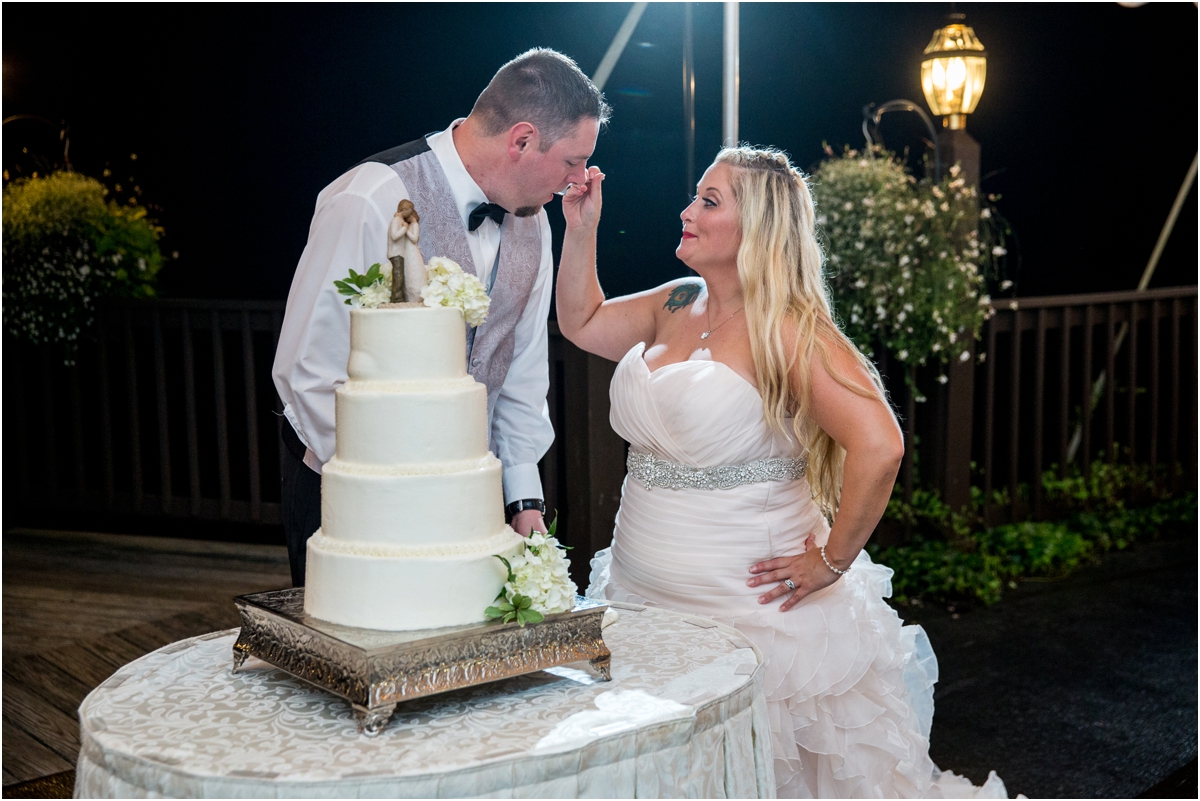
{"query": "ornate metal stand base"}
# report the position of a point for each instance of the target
(375, 670)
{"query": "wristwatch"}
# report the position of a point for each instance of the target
(516, 507)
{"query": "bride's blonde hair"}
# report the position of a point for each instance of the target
(780, 268)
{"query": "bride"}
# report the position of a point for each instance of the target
(752, 419)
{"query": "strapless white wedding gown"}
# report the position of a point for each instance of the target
(849, 687)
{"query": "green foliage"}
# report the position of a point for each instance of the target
(64, 248)
(900, 269)
(355, 284)
(518, 608)
(953, 558)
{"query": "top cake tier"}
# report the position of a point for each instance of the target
(414, 343)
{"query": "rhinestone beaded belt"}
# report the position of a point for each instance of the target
(654, 472)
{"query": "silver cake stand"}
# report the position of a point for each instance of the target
(375, 670)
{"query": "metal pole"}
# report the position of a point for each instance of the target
(600, 77)
(1168, 226)
(1147, 274)
(689, 102)
(730, 85)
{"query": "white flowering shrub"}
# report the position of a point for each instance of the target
(450, 286)
(901, 274)
(538, 582)
(65, 247)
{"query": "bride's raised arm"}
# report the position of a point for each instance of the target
(608, 328)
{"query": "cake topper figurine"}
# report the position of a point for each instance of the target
(408, 268)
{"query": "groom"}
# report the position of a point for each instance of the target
(479, 187)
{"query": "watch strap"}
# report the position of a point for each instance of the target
(516, 507)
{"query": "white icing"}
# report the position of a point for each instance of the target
(411, 427)
(428, 385)
(415, 509)
(336, 465)
(502, 541)
(400, 594)
(407, 344)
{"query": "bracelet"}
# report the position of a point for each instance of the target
(831, 567)
(516, 507)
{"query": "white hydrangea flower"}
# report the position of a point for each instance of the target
(450, 286)
(540, 574)
(377, 293)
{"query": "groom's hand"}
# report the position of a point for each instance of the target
(581, 203)
(527, 522)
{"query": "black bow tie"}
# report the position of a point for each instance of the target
(482, 212)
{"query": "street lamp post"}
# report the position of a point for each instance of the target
(953, 73)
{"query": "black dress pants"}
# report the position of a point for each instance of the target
(301, 501)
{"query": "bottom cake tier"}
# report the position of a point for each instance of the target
(397, 588)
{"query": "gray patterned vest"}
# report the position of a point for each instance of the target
(489, 347)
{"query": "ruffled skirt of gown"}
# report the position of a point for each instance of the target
(849, 687)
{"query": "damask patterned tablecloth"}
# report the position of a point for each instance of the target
(684, 716)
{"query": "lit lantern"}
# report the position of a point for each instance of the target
(953, 72)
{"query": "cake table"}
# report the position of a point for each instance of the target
(684, 716)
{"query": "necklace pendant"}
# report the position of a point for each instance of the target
(705, 334)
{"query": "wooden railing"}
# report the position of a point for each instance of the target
(171, 410)
(1076, 378)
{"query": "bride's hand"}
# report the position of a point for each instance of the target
(581, 202)
(807, 571)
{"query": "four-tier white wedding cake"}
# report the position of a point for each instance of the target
(411, 505)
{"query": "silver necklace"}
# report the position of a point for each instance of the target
(707, 333)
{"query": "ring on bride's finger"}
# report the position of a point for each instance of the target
(790, 584)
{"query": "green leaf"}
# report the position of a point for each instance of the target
(345, 288)
(493, 611)
(552, 531)
(511, 577)
(529, 616)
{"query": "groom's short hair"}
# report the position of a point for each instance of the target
(542, 87)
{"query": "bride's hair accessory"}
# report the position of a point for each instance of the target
(654, 472)
(791, 585)
(830, 566)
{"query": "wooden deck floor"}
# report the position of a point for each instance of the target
(77, 606)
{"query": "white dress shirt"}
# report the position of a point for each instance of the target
(349, 229)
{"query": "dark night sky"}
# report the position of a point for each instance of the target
(240, 114)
